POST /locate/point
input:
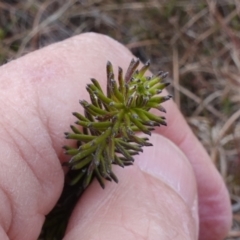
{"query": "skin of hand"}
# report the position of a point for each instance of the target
(173, 191)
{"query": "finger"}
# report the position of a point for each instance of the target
(214, 202)
(31, 176)
(157, 200)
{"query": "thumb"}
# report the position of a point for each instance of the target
(155, 199)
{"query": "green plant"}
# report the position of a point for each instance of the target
(108, 135)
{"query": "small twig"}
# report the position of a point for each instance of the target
(142, 43)
(176, 76)
(43, 25)
(222, 132)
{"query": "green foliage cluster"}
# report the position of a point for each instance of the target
(110, 123)
(107, 135)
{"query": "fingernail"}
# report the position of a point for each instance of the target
(167, 162)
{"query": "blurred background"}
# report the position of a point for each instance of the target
(196, 41)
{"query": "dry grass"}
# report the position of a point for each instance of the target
(198, 42)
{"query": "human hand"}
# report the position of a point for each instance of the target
(155, 199)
